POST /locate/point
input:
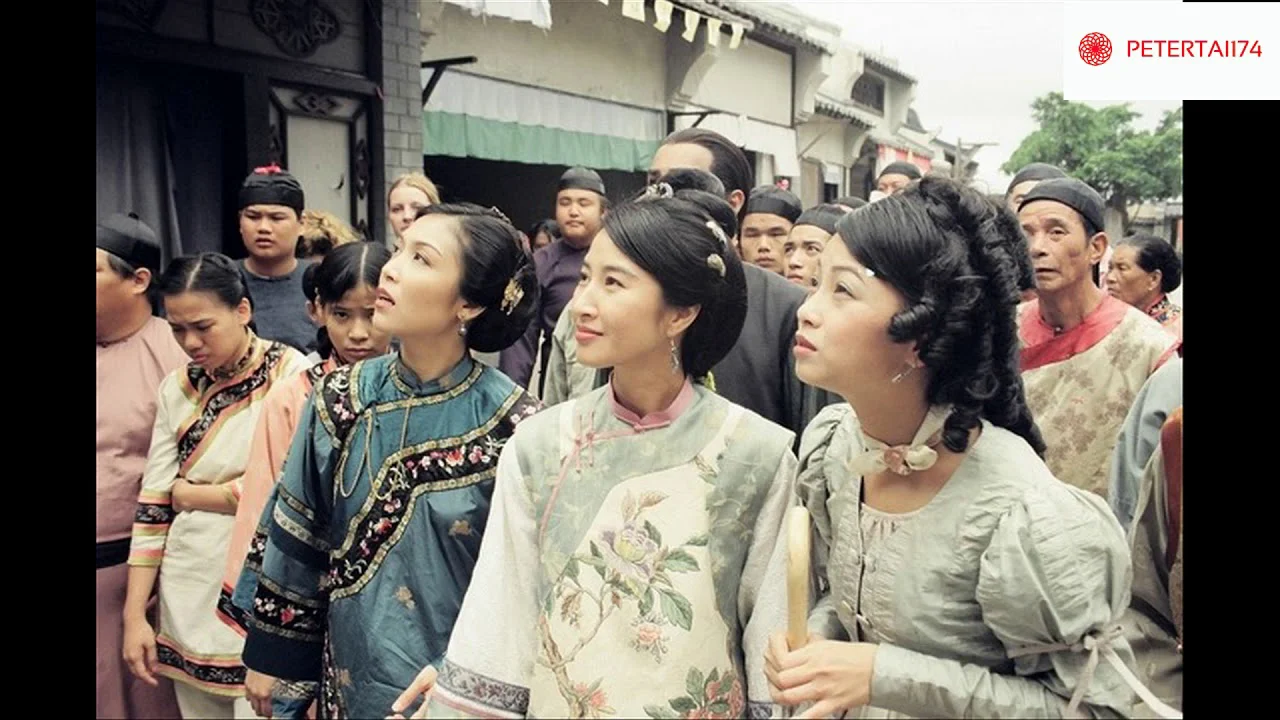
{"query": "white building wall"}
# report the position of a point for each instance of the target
(591, 49)
(754, 80)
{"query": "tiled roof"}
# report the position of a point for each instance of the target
(776, 19)
(832, 107)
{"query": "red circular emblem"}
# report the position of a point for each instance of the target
(1095, 48)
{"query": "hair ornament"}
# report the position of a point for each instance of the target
(659, 190)
(718, 231)
(511, 296)
(715, 262)
(501, 215)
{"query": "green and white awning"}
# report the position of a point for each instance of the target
(475, 116)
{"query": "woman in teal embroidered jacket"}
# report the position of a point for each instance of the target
(385, 493)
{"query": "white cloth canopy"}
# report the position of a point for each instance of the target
(761, 137)
(477, 96)
(537, 12)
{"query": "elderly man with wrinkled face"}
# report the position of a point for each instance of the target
(1085, 354)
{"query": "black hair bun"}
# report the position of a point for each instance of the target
(497, 328)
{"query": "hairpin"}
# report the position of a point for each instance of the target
(501, 215)
(659, 190)
(719, 233)
(715, 262)
(511, 296)
(271, 169)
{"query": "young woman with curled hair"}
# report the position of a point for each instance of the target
(633, 525)
(385, 493)
(957, 576)
(344, 283)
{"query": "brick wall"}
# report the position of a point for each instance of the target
(401, 88)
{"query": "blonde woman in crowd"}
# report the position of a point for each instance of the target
(409, 194)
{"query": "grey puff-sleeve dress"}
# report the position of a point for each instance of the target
(989, 601)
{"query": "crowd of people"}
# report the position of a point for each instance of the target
(319, 496)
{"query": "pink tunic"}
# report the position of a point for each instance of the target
(129, 374)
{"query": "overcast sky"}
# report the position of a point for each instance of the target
(979, 65)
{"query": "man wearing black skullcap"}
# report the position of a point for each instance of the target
(767, 219)
(896, 176)
(1085, 354)
(1027, 178)
(580, 208)
(135, 352)
(271, 203)
(808, 239)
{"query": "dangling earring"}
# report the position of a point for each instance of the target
(898, 378)
(675, 358)
(462, 328)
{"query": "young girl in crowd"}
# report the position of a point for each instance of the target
(345, 283)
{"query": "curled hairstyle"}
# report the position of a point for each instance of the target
(1156, 254)
(669, 238)
(207, 272)
(343, 270)
(950, 252)
(322, 232)
(493, 257)
(1018, 245)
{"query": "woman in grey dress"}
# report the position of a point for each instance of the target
(956, 576)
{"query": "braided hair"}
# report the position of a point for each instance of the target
(951, 253)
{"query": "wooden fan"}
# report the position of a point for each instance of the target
(797, 530)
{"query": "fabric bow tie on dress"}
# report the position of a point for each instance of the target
(903, 459)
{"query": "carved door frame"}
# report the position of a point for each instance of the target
(320, 103)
